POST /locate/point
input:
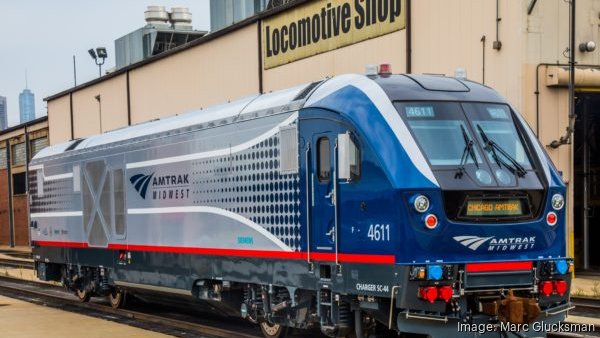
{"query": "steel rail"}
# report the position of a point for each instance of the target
(13, 263)
(586, 304)
(60, 299)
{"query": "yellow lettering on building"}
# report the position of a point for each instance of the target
(324, 25)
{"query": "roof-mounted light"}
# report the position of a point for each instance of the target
(385, 69)
(371, 70)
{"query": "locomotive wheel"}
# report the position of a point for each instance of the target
(83, 295)
(273, 330)
(117, 298)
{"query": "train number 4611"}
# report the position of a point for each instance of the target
(379, 232)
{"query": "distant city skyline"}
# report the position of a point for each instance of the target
(3, 114)
(26, 106)
(43, 50)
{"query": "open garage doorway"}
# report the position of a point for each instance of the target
(587, 182)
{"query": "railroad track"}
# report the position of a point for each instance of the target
(186, 325)
(57, 297)
(14, 263)
(586, 304)
(16, 254)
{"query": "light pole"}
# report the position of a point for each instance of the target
(99, 55)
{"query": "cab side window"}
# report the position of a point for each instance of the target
(323, 159)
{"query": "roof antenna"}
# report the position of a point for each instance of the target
(26, 84)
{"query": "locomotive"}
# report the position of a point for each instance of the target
(359, 205)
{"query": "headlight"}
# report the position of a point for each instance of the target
(558, 201)
(421, 203)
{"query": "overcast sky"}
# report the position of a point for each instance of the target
(41, 37)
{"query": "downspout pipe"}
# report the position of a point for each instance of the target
(27, 196)
(408, 37)
(11, 221)
(566, 138)
(260, 58)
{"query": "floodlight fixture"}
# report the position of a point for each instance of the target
(99, 55)
(101, 52)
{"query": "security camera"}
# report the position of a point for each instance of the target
(589, 46)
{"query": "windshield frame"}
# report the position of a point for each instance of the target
(531, 156)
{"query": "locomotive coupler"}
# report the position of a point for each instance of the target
(516, 310)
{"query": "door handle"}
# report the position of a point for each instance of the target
(331, 196)
(331, 234)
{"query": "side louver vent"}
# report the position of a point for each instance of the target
(97, 209)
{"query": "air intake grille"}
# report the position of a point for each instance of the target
(289, 149)
(306, 91)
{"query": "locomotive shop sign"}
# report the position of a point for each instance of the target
(325, 25)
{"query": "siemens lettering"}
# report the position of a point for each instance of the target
(340, 23)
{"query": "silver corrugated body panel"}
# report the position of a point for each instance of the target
(219, 187)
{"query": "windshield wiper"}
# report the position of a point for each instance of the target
(492, 147)
(468, 151)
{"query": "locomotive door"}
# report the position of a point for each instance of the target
(323, 135)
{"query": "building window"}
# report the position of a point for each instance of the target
(38, 144)
(18, 154)
(3, 162)
(19, 186)
(323, 159)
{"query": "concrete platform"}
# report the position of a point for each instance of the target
(25, 274)
(20, 319)
(584, 320)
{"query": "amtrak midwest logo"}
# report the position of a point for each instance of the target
(166, 187)
(497, 244)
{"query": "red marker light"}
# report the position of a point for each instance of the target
(431, 221)
(560, 286)
(429, 293)
(446, 293)
(385, 69)
(546, 288)
(551, 218)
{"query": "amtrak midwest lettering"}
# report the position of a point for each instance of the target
(166, 187)
(330, 22)
(170, 187)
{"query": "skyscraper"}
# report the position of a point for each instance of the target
(26, 105)
(3, 113)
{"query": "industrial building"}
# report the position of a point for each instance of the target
(163, 31)
(18, 144)
(224, 13)
(520, 48)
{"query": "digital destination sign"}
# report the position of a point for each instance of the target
(490, 207)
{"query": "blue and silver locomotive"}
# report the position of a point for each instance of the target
(357, 204)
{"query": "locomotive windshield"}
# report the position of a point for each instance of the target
(455, 135)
